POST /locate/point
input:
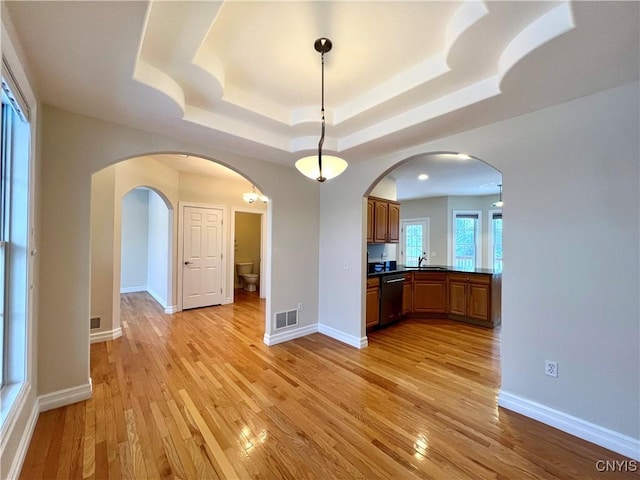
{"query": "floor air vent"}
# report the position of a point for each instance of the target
(286, 319)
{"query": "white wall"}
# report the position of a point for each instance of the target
(571, 282)
(135, 240)
(159, 249)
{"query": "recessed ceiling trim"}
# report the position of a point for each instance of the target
(542, 30)
(448, 103)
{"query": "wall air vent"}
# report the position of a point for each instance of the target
(95, 322)
(286, 319)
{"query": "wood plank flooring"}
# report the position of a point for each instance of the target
(197, 395)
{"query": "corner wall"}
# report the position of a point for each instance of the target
(571, 277)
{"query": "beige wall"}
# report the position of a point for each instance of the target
(570, 172)
(73, 148)
(109, 186)
(439, 210)
(435, 209)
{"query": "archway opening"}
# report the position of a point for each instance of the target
(175, 182)
(431, 218)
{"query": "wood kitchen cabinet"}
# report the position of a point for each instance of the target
(407, 294)
(470, 296)
(373, 302)
(429, 292)
(383, 223)
(369, 220)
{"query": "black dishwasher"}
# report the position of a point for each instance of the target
(391, 298)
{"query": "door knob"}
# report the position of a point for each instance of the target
(187, 262)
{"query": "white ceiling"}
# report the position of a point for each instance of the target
(244, 76)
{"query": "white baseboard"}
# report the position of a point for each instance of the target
(65, 397)
(98, 337)
(358, 342)
(140, 288)
(289, 334)
(171, 309)
(614, 441)
(25, 439)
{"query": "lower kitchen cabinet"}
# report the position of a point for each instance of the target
(430, 292)
(470, 296)
(373, 302)
(467, 297)
(407, 294)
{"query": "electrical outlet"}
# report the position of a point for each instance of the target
(551, 368)
(300, 307)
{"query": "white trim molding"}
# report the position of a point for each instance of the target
(614, 441)
(352, 340)
(292, 334)
(289, 334)
(171, 309)
(66, 396)
(140, 288)
(25, 439)
(105, 336)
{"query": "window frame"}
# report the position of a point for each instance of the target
(478, 235)
(491, 251)
(19, 338)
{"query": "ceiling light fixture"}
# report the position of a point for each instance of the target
(252, 196)
(320, 167)
(423, 176)
(499, 203)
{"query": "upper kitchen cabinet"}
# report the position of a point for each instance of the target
(369, 220)
(383, 221)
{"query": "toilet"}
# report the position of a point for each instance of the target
(249, 279)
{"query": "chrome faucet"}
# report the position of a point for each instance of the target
(420, 259)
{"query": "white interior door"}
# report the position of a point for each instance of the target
(202, 257)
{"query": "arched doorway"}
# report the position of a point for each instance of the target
(172, 181)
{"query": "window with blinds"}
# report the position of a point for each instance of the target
(466, 240)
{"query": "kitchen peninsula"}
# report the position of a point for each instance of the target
(471, 296)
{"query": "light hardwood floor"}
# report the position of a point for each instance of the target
(198, 395)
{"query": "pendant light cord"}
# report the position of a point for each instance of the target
(321, 142)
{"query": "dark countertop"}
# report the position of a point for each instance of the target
(432, 268)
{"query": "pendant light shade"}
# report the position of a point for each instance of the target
(499, 203)
(321, 167)
(331, 167)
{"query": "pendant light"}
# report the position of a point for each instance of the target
(252, 196)
(321, 167)
(499, 203)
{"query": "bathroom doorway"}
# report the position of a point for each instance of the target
(248, 252)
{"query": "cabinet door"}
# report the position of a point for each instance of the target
(479, 301)
(429, 296)
(394, 223)
(458, 298)
(373, 306)
(380, 221)
(407, 300)
(369, 221)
